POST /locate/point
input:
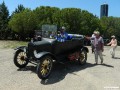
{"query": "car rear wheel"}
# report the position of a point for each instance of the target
(20, 59)
(83, 57)
(44, 67)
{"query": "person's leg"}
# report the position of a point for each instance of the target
(101, 56)
(92, 49)
(113, 52)
(96, 56)
(110, 51)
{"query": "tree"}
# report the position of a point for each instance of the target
(23, 23)
(4, 18)
(71, 19)
(77, 21)
(45, 15)
(19, 9)
(89, 23)
(108, 24)
(117, 27)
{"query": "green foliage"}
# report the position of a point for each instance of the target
(23, 23)
(19, 9)
(44, 15)
(71, 18)
(89, 23)
(110, 26)
(4, 18)
(76, 20)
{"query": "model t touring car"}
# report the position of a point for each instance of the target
(49, 50)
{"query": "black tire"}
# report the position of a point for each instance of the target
(83, 57)
(44, 68)
(20, 59)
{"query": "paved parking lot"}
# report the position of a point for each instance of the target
(70, 76)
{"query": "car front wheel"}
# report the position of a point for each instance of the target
(44, 67)
(20, 59)
(83, 57)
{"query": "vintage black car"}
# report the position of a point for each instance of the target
(49, 50)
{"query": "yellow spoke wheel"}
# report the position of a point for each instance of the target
(83, 57)
(20, 59)
(44, 67)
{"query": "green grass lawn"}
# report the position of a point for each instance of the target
(12, 44)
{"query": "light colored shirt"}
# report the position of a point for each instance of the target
(113, 42)
(93, 35)
(98, 43)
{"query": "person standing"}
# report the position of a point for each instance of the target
(113, 44)
(98, 46)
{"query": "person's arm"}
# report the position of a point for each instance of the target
(109, 43)
(102, 44)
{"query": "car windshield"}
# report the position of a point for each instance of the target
(49, 31)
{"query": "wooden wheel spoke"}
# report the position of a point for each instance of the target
(21, 58)
(44, 71)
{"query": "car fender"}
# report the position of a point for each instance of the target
(42, 54)
(85, 48)
(23, 48)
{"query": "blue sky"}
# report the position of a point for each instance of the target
(92, 6)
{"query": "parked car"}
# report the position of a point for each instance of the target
(48, 50)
